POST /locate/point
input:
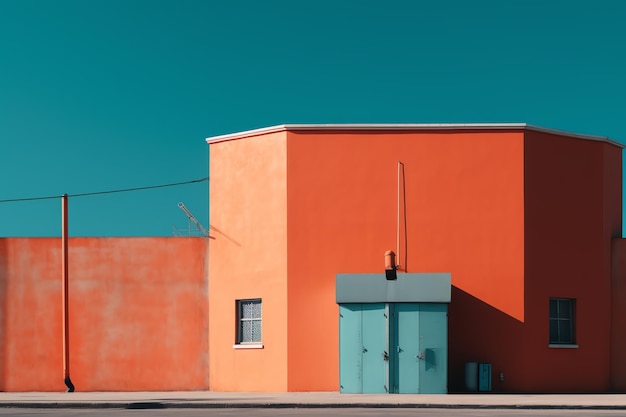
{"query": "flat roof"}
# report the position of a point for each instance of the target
(404, 127)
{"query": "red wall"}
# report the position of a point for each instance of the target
(137, 312)
(464, 216)
(618, 312)
(572, 213)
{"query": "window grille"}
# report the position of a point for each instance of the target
(249, 319)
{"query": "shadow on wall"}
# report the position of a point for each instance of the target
(3, 313)
(478, 332)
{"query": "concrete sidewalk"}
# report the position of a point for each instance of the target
(207, 399)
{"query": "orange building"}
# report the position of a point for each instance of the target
(525, 220)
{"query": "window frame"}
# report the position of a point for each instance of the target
(239, 342)
(559, 317)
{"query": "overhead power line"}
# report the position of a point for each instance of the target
(123, 190)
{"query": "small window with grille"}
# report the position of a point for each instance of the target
(562, 321)
(249, 321)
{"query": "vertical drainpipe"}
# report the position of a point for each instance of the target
(64, 297)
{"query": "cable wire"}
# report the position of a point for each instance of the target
(123, 190)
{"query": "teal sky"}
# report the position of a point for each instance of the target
(112, 94)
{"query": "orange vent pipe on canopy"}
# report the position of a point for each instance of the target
(390, 265)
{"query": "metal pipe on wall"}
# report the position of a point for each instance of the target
(401, 217)
(64, 295)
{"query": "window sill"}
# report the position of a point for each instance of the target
(248, 346)
(562, 346)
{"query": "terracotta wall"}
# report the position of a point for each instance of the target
(618, 313)
(137, 309)
(573, 212)
(464, 215)
(248, 260)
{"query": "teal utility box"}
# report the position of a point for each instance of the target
(484, 377)
(477, 377)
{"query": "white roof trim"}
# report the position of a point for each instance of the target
(405, 127)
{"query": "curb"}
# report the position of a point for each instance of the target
(154, 405)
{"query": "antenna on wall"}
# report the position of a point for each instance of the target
(192, 219)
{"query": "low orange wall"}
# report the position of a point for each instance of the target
(138, 312)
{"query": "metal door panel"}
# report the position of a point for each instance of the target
(350, 346)
(374, 323)
(407, 348)
(434, 344)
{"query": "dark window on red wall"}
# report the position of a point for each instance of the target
(562, 321)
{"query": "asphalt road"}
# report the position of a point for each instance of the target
(307, 412)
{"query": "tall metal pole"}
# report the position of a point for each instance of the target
(64, 297)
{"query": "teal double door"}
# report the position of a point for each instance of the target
(393, 348)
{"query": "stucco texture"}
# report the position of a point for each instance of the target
(137, 314)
